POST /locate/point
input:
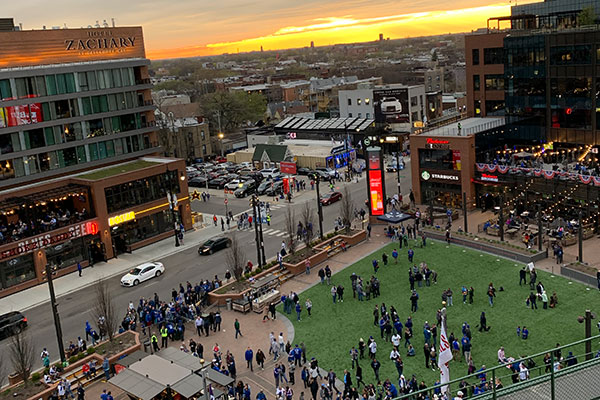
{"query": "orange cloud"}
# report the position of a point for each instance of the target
(348, 29)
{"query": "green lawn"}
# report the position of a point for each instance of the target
(117, 170)
(334, 329)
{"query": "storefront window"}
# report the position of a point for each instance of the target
(435, 159)
(141, 191)
(16, 270)
(66, 254)
(441, 194)
(148, 226)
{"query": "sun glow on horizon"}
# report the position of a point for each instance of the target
(348, 29)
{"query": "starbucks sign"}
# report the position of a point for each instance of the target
(425, 175)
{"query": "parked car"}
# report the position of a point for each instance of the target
(234, 184)
(191, 170)
(331, 197)
(303, 171)
(214, 244)
(246, 164)
(329, 171)
(221, 160)
(262, 188)
(198, 181)
(244, 190)
(12, 323)
(269, 172)
(391, 167)
(246, 171)
(142, 273)
(275, 189)
(217, 183)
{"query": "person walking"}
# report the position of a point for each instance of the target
(491, 294)
(376, 365)
(164, 334)
(106, 368)
(307, 265)
(414, 298)
(483, 323)
(154, 341)
(522, 276)
(308, 305)
(236, 326)
(249, 355)
(79, 268)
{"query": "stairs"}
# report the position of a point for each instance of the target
(284, 275)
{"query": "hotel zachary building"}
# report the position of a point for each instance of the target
(80, 178)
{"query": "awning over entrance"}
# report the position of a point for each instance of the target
(394, 217)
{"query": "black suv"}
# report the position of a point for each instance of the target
(11, 323)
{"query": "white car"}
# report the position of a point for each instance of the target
(142, 273)
(234, 184)
(391, 105)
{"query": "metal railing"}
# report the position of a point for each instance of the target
(563, 376)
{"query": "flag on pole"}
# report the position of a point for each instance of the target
(445, 354)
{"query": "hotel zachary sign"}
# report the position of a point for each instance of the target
(100, 41)
(57, 46)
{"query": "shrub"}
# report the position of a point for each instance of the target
(72, 359)
(91, 350)
(81, 356)
(246, 275)
(35, 377)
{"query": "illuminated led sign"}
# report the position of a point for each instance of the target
(119, 219)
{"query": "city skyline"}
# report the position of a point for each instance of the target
(241, 26)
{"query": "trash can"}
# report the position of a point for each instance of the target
(228, 301)
(146, 345)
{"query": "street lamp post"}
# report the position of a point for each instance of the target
(221, 136)
(172, 205)
(317, 179)
(54, 304)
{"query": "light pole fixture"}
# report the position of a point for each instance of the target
(317, 179)
(221, 135)
(54, 305)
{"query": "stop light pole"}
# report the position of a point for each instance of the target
(317, 179)
(54, 304)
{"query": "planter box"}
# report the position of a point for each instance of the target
(488, 247)
(578, 275)
(296, 269)
(221, 299)
(48, 390)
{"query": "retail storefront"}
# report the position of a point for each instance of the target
(442, 169)
(89, 218)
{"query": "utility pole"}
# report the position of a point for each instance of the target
(54, 304)
(501, 219)
(254, 203)
(588, 334)
(580, 234)
(260, 235)
(317, 178)
(465, 212)
(540, 234)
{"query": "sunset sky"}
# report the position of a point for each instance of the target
(184, 28)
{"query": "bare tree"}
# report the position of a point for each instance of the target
(290, 226)
(307, 221)
(21, 355)
(103, 310)
(235, 258)
(346, 209)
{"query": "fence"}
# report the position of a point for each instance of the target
(564, 372)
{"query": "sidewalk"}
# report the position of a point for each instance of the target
(37, 295)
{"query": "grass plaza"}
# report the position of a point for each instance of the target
(333, 329)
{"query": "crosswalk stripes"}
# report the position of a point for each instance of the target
(273, 232)
(280, 234)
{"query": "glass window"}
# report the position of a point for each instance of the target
(436, 159)
(5, 144)
(83, 83)
(349, 102)
(70, 78)
(125, 78)
(17, 270)
(476, 82)
(475, 54)
(61, 83)
(118, 146)
(108, 78)
(493, 55)
(34, 139)
(40, 85)
(51, 85)
(87, 105)
(121, 101)
(112, 102)
(101, 80)
(93, 147)
(494, 82)
(81, 158)
(49, 134)
(116, 75)
(110, 148)
(5, 91)
(92, 82)
(62, 109)
(66, 254)
(102, 150)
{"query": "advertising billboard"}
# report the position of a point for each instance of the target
(376, 192)
(23, 115)
(391, 105)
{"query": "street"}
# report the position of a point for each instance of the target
(187, 265)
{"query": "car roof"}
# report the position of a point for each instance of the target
(10, 314)
(147, 264)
